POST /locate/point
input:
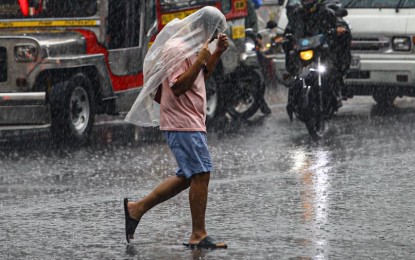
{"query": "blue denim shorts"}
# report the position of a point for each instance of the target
(191, 152)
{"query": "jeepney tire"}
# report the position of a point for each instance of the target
(72, 111)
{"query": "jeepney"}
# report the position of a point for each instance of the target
(63, 62)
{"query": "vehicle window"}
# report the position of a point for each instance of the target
(172, 5)
(226, 6)
(377, 3)
(150, 14)
(19, 9)
(270, 2)
(123, 28)
(291, 2)
(370, 3)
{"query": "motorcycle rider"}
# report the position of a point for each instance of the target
(313, 17)
(251, 21)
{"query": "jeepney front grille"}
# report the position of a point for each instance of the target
(369, 44)
(3, 64)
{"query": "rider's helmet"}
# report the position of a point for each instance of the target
(310, 5)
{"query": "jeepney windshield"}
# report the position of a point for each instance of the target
(27, 9)
(173, 5)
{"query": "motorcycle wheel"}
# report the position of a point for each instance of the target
(244, 102)
(315, 127)
(312, 117)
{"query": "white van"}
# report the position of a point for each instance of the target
(383, 50)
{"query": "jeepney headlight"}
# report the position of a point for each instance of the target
(401, 43)
(25, 53)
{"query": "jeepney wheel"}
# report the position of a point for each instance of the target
(73, 110)
(384, 99)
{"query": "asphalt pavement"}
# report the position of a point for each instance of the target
(274, 192)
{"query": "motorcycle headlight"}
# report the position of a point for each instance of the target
(322, 69)
(401, 43)
(249, 46)
(307, 55)
(25, 53)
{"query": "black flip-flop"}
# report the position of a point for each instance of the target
(207, 243)
(130, 223)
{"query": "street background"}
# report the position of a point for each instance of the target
(274, 193)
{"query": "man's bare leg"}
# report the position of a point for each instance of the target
(198, 195)
(164, 191)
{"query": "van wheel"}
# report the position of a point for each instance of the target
(384, 99)
(72, 110)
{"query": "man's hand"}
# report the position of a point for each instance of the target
(340, 30)
(278, 39)
(221, 46)
(223, 43)
(204, 53)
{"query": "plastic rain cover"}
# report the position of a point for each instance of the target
(177, 41)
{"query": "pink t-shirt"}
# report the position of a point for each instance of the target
(187, 111)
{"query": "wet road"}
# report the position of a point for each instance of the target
(274, 193)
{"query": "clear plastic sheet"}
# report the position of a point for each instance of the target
(179, 40)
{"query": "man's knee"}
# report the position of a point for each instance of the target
(203, 177)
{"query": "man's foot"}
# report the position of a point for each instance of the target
(130, 223)
(207, 243)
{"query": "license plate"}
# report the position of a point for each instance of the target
(355, 62)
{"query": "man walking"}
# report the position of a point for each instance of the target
(176, 67)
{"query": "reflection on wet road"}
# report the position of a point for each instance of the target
(274, 193)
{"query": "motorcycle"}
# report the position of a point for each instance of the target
(250, 88)
(239, 93)
(262, 51)
(268, 47)
(312, 97)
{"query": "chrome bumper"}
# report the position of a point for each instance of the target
(30, 98)
(18, 109)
